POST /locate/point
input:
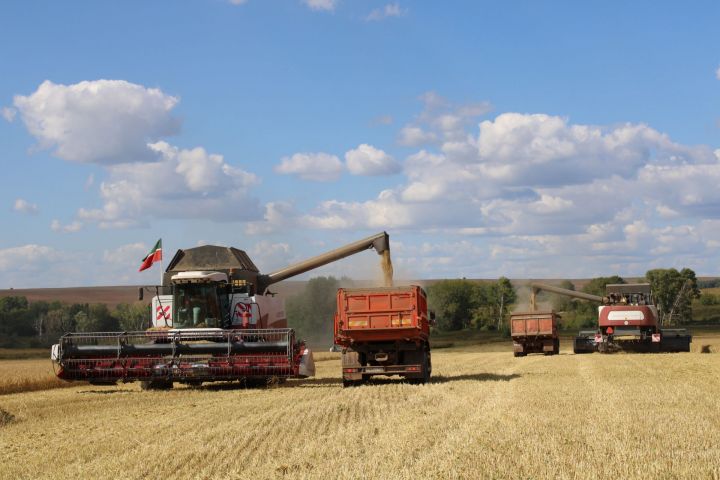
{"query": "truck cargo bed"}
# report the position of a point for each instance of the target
(381, 314)
(534, 332)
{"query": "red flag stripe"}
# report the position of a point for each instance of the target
(155, 255)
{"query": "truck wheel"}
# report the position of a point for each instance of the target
(426, 367)
(519, 354)
(156, 385)
(351, 383)
(425, 370)
(556, 346)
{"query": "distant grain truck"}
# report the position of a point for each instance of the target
(535, 332)
(383, 331)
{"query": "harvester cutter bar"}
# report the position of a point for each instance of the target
(178, 355)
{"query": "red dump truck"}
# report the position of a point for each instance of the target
(535, 332)
(383, 331)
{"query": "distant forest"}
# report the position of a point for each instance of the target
(459, 304)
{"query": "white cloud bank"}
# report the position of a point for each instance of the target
(530, 187)
(119, 125)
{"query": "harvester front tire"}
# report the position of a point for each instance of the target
(578, 349)
(156, 385)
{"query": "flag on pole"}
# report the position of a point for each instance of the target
(155, 255)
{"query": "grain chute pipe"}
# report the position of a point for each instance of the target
(380, 242)
(536, 287)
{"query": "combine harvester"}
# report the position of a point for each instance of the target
(627, 320)
(218, 322)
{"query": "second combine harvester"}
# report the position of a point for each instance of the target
(627, 320)
(214, 321)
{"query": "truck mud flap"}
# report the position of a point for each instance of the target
(351, 366)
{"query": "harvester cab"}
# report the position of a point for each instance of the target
(214, 320)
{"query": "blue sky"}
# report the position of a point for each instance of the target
(525, 139)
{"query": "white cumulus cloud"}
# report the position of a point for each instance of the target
(26, 256)
(368, 160)
(278, 216)
(318, 167)
(8, 113)
(327, 5)
(389, 10)
(183, 184)
(23, 206)
(100, 121)
(72, 227)
(128, 255)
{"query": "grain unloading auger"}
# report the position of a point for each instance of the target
(214, 321)
(627, 319)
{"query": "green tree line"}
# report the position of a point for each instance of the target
(24, 323)
(467, 304)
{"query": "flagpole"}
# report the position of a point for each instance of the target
(161, 264)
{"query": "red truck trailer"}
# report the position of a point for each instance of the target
(383, 331)
(534, 332)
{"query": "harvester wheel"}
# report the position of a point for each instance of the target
(579, 348)
(156, 385)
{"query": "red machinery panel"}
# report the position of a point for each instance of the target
(627, 315)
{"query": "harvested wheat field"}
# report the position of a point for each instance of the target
(28, 375)
(485, 415)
